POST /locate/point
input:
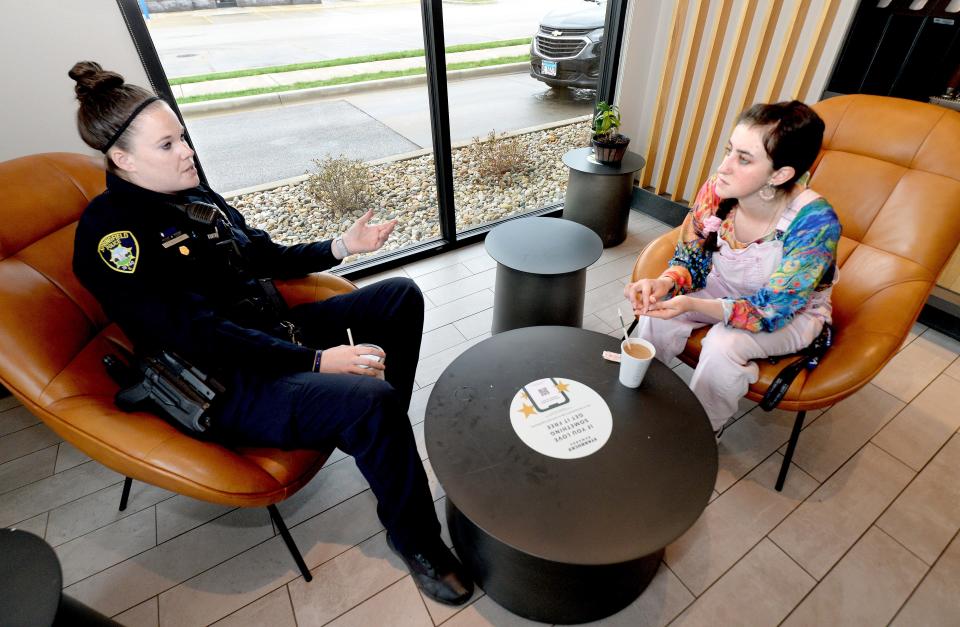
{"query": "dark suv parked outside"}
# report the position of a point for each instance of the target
(566, 49)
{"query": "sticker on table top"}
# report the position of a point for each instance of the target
(561, 418)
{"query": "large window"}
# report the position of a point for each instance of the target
(305, 114)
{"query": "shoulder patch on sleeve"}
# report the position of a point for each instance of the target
(120, 251)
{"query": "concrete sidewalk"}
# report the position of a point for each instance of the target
(297, 76)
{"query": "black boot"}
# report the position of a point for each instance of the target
(438, 573)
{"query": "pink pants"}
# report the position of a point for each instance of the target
(726, 370)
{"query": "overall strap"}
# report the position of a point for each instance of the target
(803, 199)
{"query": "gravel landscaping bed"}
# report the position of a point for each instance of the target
(405, 190)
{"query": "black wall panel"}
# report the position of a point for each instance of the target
(894, 50)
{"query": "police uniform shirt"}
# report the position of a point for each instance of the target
(168, 281)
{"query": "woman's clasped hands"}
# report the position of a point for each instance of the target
(647, 296)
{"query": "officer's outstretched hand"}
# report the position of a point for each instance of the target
(350, 360)
(363, 237)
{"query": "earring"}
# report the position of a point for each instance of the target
(767, 192)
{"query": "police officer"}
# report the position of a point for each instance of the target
(178, 268)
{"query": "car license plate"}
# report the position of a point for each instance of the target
(549, 68)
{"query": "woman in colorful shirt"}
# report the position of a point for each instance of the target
(756, 259)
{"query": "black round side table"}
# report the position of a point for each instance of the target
(598, 195)
(30, 586)
(541, 272)
(565, 540)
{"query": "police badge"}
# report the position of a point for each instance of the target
(120, 251)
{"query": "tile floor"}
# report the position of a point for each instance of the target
(865, 531)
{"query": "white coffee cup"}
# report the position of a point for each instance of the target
(635, 357)
(372, 357)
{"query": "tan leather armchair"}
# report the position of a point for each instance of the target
(54, 334)
(891, 169)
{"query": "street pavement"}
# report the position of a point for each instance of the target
(218, 40)
(242, 149)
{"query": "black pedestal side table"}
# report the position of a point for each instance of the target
(541, 272)
(598, 196)
(565, 540)
(30, 586)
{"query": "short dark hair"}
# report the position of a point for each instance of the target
(106, 101)
(793, 135)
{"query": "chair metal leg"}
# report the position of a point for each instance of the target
(792, 444)
(127, 482)
(274, 515)
(288, 539)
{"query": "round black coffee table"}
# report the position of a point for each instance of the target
(565, 540)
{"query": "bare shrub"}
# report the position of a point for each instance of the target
(586, 139)
(340, 185)
(497, 155)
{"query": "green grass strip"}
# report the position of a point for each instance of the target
(385, 56)
(356, 78)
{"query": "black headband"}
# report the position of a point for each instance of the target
(143, 105)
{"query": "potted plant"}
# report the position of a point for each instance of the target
(609, 146)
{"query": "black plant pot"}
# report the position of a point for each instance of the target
(610, 151)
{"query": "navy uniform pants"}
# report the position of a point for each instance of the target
(362, 416)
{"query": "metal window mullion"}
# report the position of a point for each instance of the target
(439, 115)
(150, 60)
(613, 27)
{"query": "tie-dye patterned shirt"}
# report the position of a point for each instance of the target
(809, 255)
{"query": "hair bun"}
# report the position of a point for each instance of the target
(92, 78)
